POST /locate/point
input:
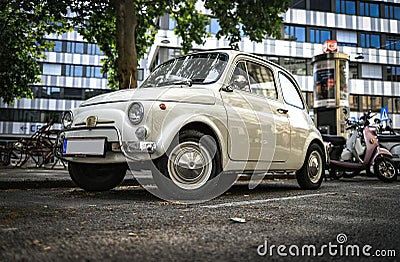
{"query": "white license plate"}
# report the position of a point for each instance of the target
(87, 147)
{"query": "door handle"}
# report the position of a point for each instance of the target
(282, 111)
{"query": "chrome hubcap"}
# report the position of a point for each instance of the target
(189, 165)
(315, 167)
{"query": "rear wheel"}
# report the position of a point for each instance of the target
(97, 177)
(385, 169)
(310, 175)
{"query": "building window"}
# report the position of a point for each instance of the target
(214, 26)
(319, 36)
(75, 47)
(393, 42)
(300, 4)
(58, 46)
(393, 73)
(375, 103)
(320, 5)
(354, 103)
(346, 38)
(371, 71)
(346, 7)
(392, 12)
(94, 49)
(50, 92)
(74, 70)
(171, 23)
(353, 70)
(370, 41)
(51, 69)
(297, 66)
(73, 93)
(94, 71)
(369, 9)
(295, 33)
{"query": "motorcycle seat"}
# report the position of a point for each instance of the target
(389, 138)
(334, 139)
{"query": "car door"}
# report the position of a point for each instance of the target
(297, 113)
(257, 121)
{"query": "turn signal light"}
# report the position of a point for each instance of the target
(163, 106)
(372, 141)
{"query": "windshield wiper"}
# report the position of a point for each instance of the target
(187, 82)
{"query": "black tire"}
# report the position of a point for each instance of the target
(385, 169)
(335, 174)
(311, 174)
(176, 175)
(97, 177)
(350, 174)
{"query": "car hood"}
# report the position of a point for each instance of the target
(194, 95)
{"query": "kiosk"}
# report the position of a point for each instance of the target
(331, 94)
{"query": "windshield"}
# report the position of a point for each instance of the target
(202, 68)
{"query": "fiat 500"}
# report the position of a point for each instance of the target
(196, 118)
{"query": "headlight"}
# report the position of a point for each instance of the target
(135, 113)
(67, 119)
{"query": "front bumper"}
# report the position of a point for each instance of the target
(115, 149)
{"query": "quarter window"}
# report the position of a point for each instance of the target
(290, 93)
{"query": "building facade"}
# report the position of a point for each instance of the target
(368, 31)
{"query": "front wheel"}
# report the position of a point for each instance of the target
(310, 175)
(190, 169)
(385, 169)
(97, 177)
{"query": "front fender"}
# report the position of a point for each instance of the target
(381, 151)
(171, 127)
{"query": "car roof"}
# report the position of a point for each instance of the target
(233, 52)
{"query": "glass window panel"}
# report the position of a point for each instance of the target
(375, 41)
(73, 93)
(354, 103)
(214, 26)
(374, 10)
(97, 72)
(79, 48)
(300, 4)
(300, 34)
(289, 91)
(57, 46)
(78, 70)
(261, 81)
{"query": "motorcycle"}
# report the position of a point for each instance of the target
(361, 152)
(389, 139)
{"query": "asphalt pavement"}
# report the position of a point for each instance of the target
(31, 177)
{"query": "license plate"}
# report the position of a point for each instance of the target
(84, 146)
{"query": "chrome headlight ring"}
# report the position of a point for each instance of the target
(136, 113)
(67, 119)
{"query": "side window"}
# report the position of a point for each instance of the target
(289, 91)
(239, 78)
(261, 81)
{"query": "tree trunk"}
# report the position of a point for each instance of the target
(126, 47)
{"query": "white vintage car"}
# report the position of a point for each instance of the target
(196, 118)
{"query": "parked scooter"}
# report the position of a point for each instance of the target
(389, 139)
(360, 152)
